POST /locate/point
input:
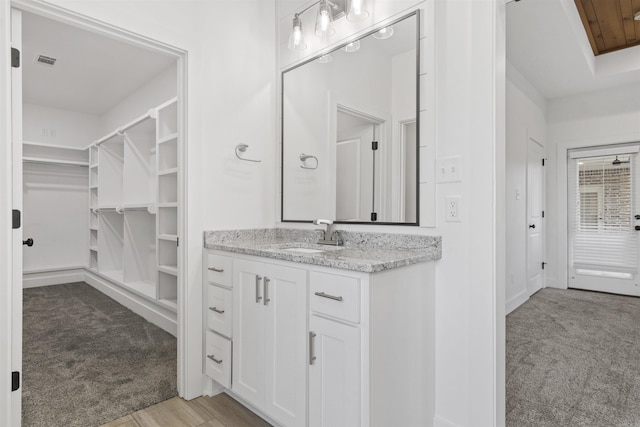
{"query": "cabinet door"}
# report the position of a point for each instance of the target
(248, 331)
(334, 375)
(285, 302)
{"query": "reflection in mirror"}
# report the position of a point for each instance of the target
(350, 131)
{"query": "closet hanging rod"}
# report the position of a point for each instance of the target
(151, 114)
(51, 162)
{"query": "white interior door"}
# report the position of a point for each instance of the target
(603, 205)
(16, 285)
(535, 208)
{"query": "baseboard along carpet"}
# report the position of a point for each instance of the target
(573, 359)
(88, 360)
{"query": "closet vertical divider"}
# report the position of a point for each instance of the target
(111, 224)
(167, 196)
(139, 197)
(93, 207)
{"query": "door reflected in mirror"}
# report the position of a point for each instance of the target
(350, 131)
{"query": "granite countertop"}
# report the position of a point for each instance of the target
(365, 252)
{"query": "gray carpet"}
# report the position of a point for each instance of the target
(573, 359)
(88, 360)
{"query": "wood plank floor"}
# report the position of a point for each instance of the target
(216, 411)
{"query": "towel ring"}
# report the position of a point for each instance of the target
(242, 148)
(305, 157)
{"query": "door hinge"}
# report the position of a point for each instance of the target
(15, 58)
(543, 161)
(374, 145)
(15, 218)
(374, 216)
(15, 380)
(543, 264)
(542, 214)
(177, 241)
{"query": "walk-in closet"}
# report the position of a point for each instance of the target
(101, 211)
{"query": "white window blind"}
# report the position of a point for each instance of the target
(601, 209)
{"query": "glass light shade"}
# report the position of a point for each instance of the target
(383, 33)
(352, 47)
(325, 59)
(357, 11)
(324, 21)
(296, 36)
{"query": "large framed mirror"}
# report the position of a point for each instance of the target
(350, 131)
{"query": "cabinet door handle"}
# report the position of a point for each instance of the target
(216, 310)
(266, 291)
(217, 270)
(312, 350)
(213, 357)
(333, 297)
(258, 297)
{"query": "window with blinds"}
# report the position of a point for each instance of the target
(604, 241)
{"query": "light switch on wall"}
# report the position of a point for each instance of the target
(448, 169)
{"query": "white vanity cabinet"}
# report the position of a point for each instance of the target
(321, 346)
(269, 337)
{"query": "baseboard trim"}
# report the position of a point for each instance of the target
(57, 276)
(160, 317)
(438, 421)
(516, 301)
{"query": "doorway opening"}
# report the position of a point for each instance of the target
(98, 175)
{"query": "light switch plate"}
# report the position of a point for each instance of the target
(448, 169)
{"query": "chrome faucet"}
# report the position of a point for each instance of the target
(328, 234)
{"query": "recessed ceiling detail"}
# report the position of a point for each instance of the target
(610, 24)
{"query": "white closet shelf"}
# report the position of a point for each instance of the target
(45, 160)
(142, 287)
(168, 171)
(93, 228)
(168, 205)
(168, 138)
(170, 237)
(116, 275)
(169, 269)
(93, 187)
(93, 248)
(93, 166)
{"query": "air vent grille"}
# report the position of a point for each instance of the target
(44, 60)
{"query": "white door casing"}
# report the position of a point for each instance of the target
(535, 221)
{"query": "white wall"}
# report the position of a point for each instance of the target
(159, 89)
(467, 37)
(71, 128)
(526, 111)
(598, 118)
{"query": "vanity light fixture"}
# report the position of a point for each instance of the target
(356, 11)
(352, 47)
(325, 59)
(296, 36)
(636, 17)
(328, 12)
(384, 33)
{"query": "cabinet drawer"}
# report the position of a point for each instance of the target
(336, 295)
(219, 314)
(219, 269)
(217, 359)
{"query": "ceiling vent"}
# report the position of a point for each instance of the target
(44, 60)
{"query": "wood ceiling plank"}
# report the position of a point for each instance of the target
(593, 25)
(587, 29)
(609, 19)
(626, 9)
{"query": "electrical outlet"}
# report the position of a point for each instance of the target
(452, 206)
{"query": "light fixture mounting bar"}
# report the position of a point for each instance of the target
(338, 8)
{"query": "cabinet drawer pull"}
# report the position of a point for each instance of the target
(258, 297)
(312, 350)
(323, 295)
(216, 310)
(213, 357)
(266, 291)
(217, 270)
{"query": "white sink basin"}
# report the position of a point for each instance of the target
(305, 250)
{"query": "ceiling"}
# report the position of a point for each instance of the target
(609, 24)
(92, 73)
(547, 44)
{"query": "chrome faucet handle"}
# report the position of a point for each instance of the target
(322, 221)
(328, 235)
